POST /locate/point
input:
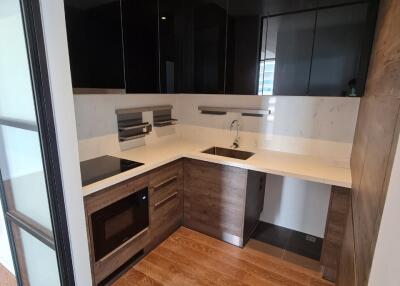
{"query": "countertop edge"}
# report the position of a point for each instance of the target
(109, 182)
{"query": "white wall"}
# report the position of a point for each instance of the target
(97, 122)
(63, 107)
(319, 126)
(296, 204)
(385, 265)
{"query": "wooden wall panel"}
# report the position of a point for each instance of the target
(376, 134)
(346, 271)
(339, 206)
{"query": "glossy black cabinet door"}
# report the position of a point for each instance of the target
(287, 53)
(339, 42)
(171, 23)
(243, 45)
(95, 44)
(141, 50)
(204, 46)
(289, 6)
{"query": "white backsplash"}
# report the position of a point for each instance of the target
(318, 126)
(97, 122)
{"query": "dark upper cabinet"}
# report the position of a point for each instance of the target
(95, 44)
(277, 47)
(171, 20)
(341, 34)
(243, 45)
(141, 45)
(289, 6)
(254, 47)
(203, 46)
(325, 3)
(269, 46)
(286, 58)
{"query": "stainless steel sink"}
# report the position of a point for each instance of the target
(231, 153)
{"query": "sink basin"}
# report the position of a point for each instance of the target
(231, 153)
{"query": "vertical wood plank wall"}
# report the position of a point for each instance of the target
(374, 143)
(339, 206)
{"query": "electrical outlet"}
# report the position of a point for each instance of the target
(311, 238)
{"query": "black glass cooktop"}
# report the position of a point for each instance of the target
(103, 167)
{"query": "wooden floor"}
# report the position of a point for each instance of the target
(6, 278)
(190, 258)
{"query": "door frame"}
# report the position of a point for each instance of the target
(34, 38)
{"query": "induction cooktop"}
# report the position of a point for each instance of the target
(103, 167)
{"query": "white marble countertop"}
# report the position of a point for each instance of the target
(284, 164)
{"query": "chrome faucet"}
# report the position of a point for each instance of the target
(235, 144)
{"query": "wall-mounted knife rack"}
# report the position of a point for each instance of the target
(212, 110)
(163, 117)
(131, 126)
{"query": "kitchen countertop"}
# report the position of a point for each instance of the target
(284, 164)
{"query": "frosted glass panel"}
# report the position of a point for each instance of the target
(16, 100)
(5, 248)
(40, 261)
(22, 173)
(21, 160)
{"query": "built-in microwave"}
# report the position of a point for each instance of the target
(119, 222)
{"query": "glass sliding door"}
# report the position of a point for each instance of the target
(30, 186)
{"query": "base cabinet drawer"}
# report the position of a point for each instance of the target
(106, 267)
(166, 218)
(166, 202)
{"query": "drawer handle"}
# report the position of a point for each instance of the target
(165, 183)
(166, 200)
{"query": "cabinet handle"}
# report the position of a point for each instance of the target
(166, 200)
(165, 183)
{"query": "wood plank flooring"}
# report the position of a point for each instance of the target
(6, 277)
(190, 258)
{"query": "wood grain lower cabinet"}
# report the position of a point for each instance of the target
(215, 199)
(165, 207)
(104, 267)
(166, 202)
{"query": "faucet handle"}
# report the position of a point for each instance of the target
(235, 145)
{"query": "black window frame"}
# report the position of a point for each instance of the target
(45, 127)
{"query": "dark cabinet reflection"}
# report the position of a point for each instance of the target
(286, 60)
(339, 40)
(171, 22)
(276, 7)
(318, 52)
(253, 47)
(203, 46)
(141, 51)
(95, 43)
(243, 45)
(325, 3)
